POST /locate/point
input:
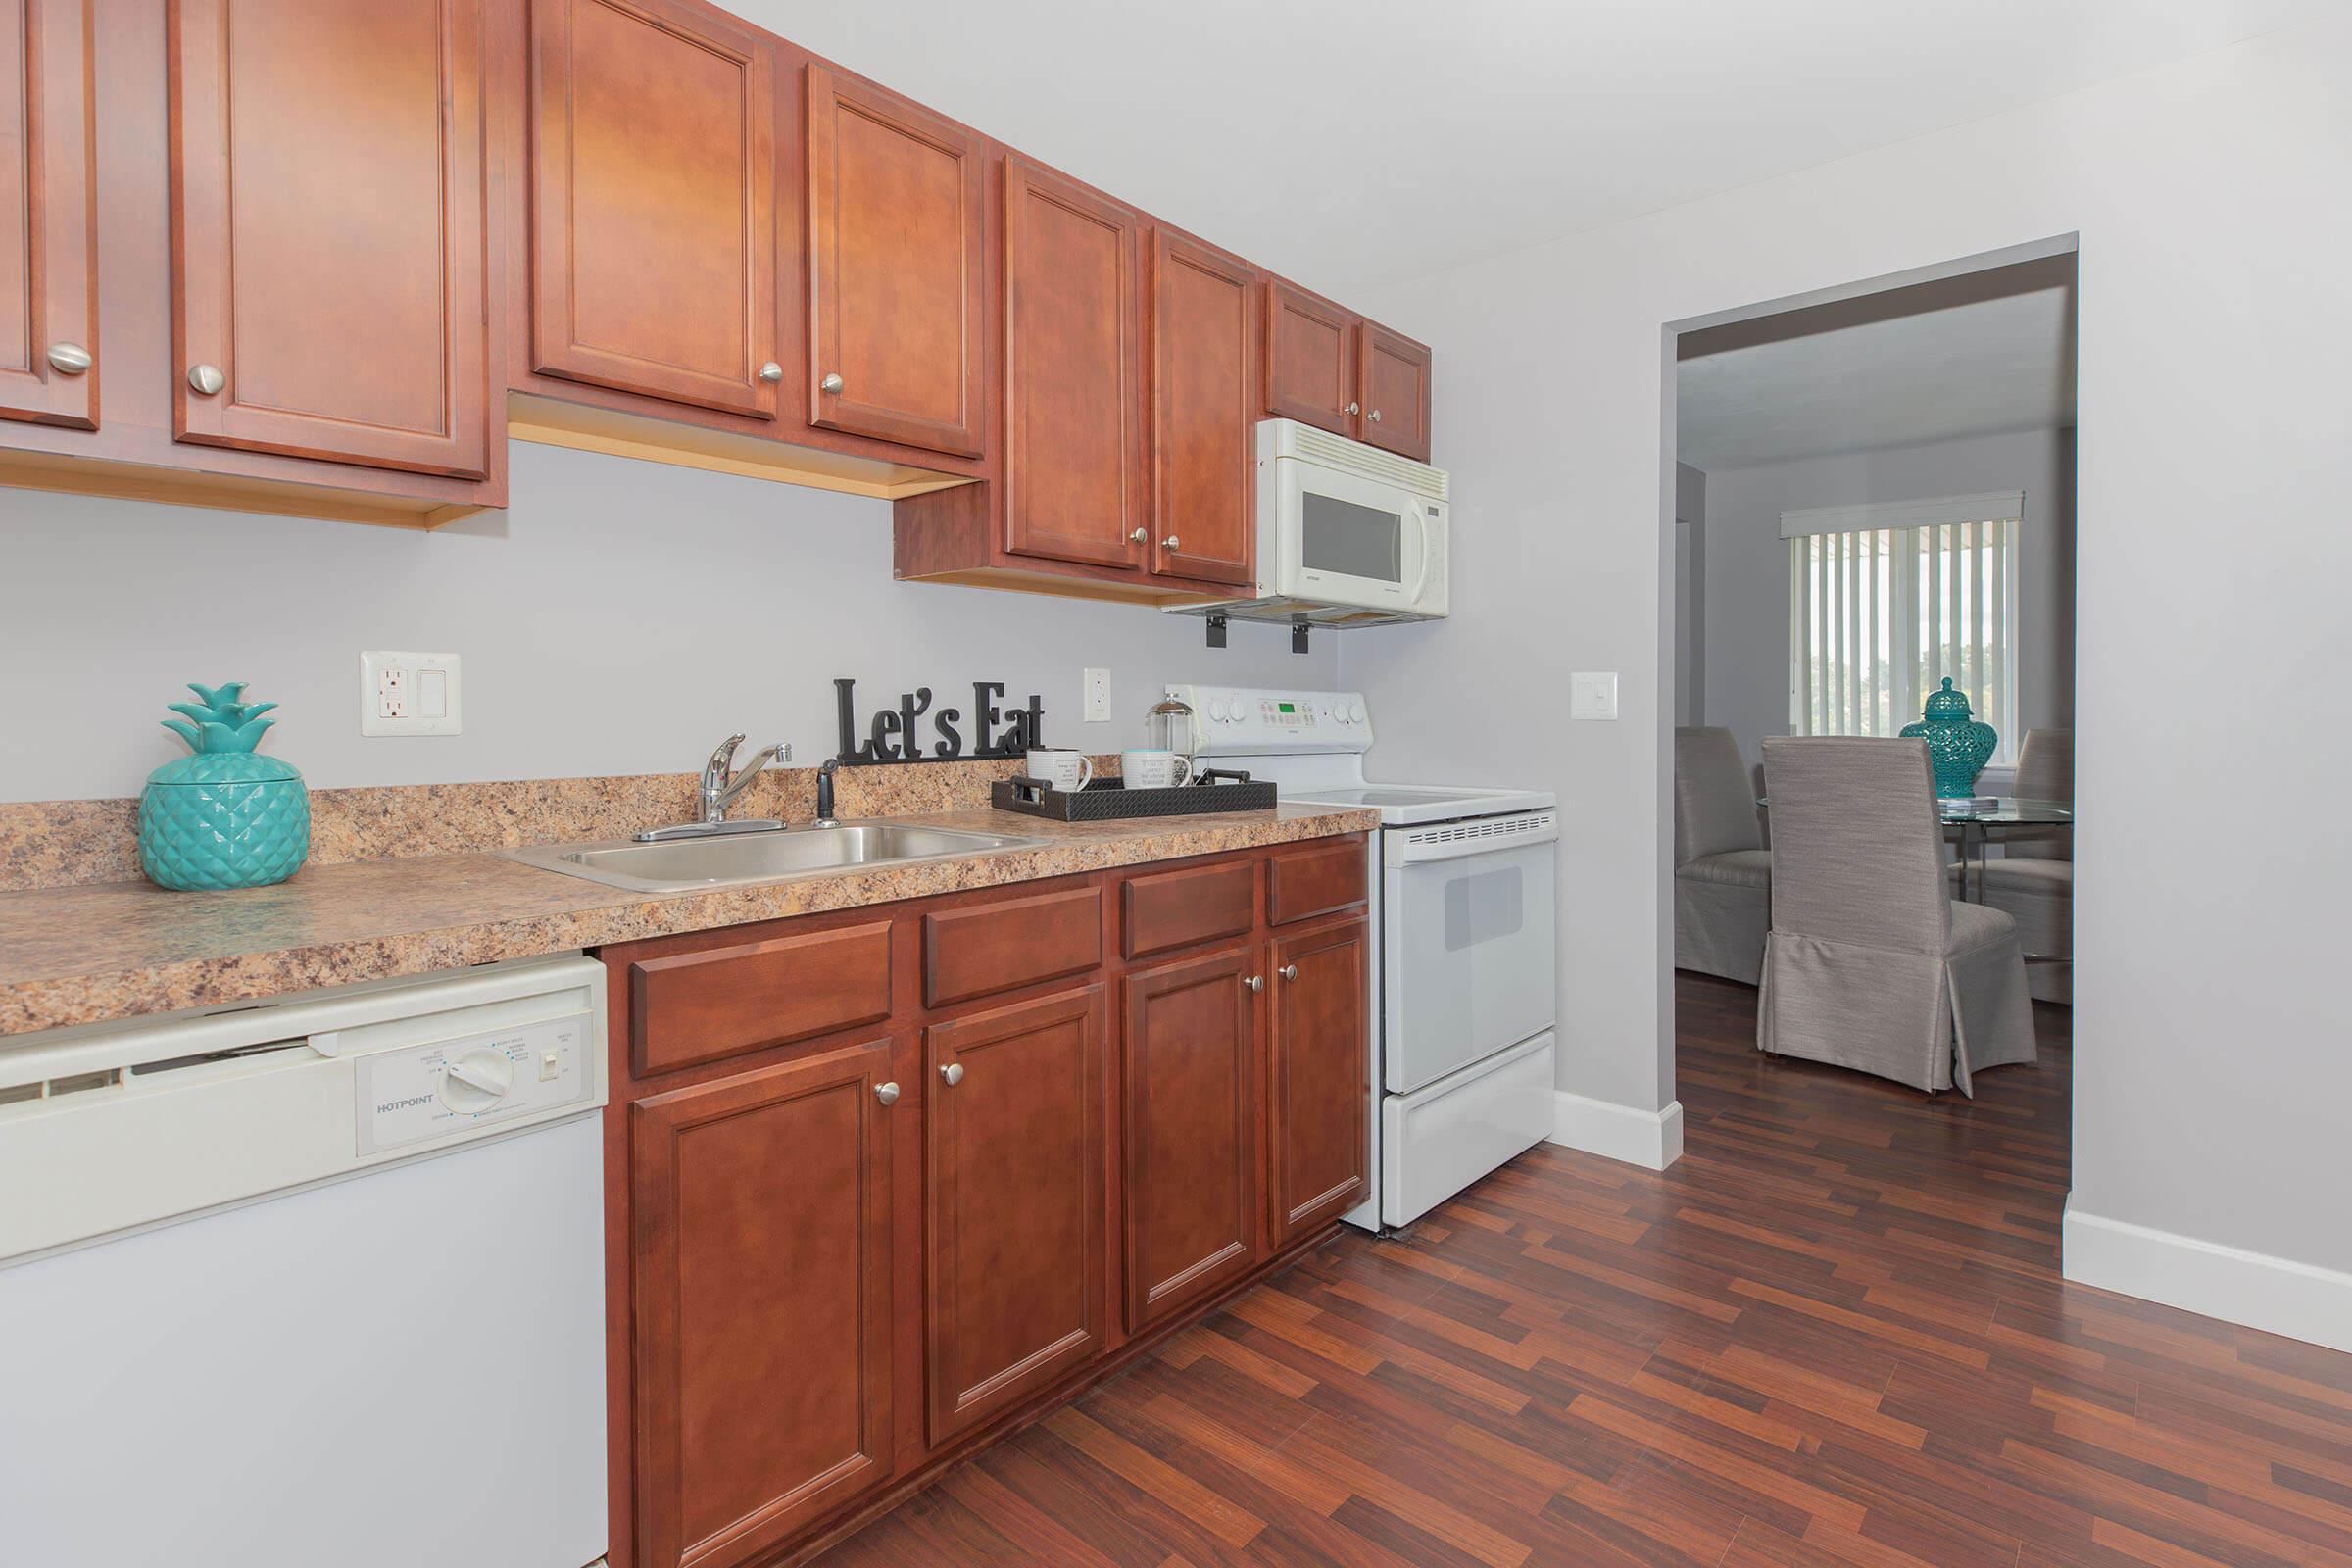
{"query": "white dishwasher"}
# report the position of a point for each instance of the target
(312, 1282)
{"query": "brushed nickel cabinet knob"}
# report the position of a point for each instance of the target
(69, 358)
(1374, 416)
(1288, 971)
(831, 383)
(1353, 407)
(771, 372)
(888, 1094)
(1141, 536)
(207, 379)
(953, 1072)
(1256, 982)
(1171, 542)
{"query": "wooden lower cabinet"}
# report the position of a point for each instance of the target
(1014, 1183)
(760, 1230)
(1319, 1078)
(846, 1249)
(1192, 1218)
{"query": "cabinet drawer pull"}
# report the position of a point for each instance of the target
(771, 372)
(888, 1094)
(1256, 982)
(953, 1072)
(831, 383)
(207, 379)
(69, 359)
(1288, 971)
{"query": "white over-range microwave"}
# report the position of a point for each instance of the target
(1348, 535)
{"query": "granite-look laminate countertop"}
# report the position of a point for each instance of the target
(116, 950)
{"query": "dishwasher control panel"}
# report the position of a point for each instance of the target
(421, 1093)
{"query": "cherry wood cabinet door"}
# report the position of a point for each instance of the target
(48, 205)
(1394, 374)
(896, 271)
(1190, 1087)
(1014, 1181)
(1073, 464)
(1319, 1078)
(653, 203)
(1204, 395)
(328, 260)
(760, 1261)
(1310, 372)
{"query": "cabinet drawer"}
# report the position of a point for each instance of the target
(698, 1006)
(1302, 884)
(1177, 909)
(1013, 942)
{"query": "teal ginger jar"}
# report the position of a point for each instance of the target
(223, 816)
(1958, 743)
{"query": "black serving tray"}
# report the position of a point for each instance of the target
(1108, 799)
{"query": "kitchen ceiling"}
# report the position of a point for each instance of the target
(1350, 143)
(1968, 356)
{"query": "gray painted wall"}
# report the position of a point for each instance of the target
(2211, 1075)
(620, 617)
(1746, 637)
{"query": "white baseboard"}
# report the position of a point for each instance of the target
(2278, 1294)
(1649, 1139)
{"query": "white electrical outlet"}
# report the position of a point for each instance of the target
(1098, 697)
(409, 694)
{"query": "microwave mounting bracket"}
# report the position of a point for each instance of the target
(1216, 628)
(1298, 636)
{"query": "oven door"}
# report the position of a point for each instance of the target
(1347, 539)
(1468, 946)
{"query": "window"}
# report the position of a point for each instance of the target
(1885, 601)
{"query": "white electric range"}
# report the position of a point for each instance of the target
(1462, 995)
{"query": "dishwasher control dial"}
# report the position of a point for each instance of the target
(477, 1080)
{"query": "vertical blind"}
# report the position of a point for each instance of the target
(1879, 616)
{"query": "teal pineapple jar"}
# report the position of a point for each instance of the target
(223, 816)
(1958, 743)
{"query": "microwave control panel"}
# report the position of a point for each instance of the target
(1241, 719)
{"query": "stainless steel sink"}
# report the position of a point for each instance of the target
(686, 864)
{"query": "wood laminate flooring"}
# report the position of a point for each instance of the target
(1834, 1334)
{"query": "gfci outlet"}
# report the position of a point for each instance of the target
(409, 694)
(1098, 697)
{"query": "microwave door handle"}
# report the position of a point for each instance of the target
(1420, 577)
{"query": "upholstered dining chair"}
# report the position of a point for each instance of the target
(1870, 963)
(1722, 872)
(2033, 878)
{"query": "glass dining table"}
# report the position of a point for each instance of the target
(1974, 828)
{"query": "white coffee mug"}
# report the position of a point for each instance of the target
(1066, 771)
(1150, 769)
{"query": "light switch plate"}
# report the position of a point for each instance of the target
(409, 694)
(1593, 694)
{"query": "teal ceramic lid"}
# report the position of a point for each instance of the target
(222, 767)
(1947, 702)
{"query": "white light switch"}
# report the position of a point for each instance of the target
(409, 694)
(1593, 694)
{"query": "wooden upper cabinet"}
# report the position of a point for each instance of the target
(1319, 1078)
(759, 1251)
(653, 202)
(1192, 1215)
(48, 235)
(1310, 372)
(1203, 396)
(897, 222)
(1013, 1206)
(1393, 378)
(329, 262)
(1073, 464)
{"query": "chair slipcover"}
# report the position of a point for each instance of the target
(1722, 872)
(1870, 963)
(2034, 879)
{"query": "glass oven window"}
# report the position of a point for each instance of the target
(1351, 540)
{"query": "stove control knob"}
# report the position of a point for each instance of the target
(1355, 713)
(477, 1080)
(1216, 710)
